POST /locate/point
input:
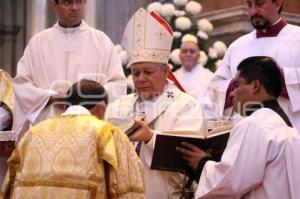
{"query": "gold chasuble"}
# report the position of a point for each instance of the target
(74, 156)
(7, 136)
(6, 91)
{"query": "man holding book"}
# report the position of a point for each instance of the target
(148, 40)
(261, 159)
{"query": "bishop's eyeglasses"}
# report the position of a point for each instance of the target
(69, 3)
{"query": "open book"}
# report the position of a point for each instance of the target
(165, 156)
(7, 142)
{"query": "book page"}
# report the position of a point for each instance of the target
(182, 133)
(212, 124)
(219, 130)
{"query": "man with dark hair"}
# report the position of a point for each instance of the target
(90, 95)
(265, 71)
(262, 68)
(272, 37)
(57, 57)
(86, 91)
(261, 156)
(75, 155)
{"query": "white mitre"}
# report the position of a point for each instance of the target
(147, 38)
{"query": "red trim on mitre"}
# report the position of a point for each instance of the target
(172, 77)
(162, 22)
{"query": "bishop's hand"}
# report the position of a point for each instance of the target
(144, 133)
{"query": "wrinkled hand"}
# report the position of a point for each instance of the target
(191, 154)
(144, 133)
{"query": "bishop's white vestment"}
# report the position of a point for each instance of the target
(172, 110)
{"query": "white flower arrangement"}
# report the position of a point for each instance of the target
(193, 7)
(175, 56)
(167, 10)
(220, 47)
(179, 13)
(177, 34)
(202, 35)
(212, 53)
(205, 25)
(202, 58)
(189, 38)
(154, 7)
(180, 2)
(183, 23)
(171, 66)
(130, 82)
(124, 57)
(218, 63)
(118, 48)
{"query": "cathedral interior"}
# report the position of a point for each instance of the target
(21, 19)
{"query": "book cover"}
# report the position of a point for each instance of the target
(165, 156)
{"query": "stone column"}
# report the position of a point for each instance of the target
(113, 15)
(36, 17)
(11, 33)
(90, 12)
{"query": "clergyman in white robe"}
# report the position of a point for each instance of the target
(195, 83)
(261, 160)
(56, 58)
(283, 48)
(172, 110)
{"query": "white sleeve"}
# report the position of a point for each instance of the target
(115, 83)
(28, 95)
(218, 85)
(292, 81)
(242, 165)
(148, 149)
